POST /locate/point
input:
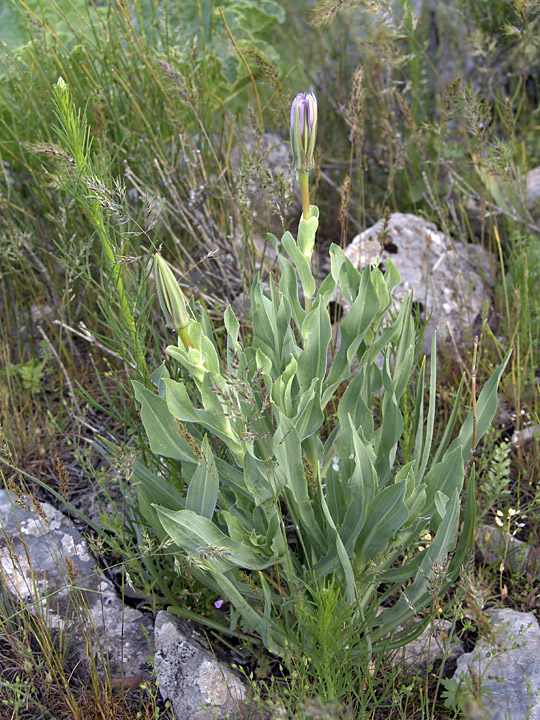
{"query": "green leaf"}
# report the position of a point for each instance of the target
(233, 328)
(317, 333)
(231, 478)
(152, 489)
(290, 474)
(392, 276)
(307, 229)
(339, 555)
(326, 290)
(431, 410)
(386, 514)
(354, 326)
(160, 426)
(288, 285)
(309, 416)
(204, 485)
(282, 388)
(201, 539)
(361, 487)
(486, 407)
(337, 259)
(416, 596)
(387, 436)
(271, 330)
(256, 622)
(445, 477)
(363, 482)
(181, 407)
(301, 263)
(449, 429)
(352, 404)
(159, 373)
(259, 479)
(404, 359)
(466, 536)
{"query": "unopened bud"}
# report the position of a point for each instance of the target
(171, 297)
(303, 131)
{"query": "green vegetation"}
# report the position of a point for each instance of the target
(152, 141)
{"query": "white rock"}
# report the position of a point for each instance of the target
(191, 677)
(46, 563)
(449, 279)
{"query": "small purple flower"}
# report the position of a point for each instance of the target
(219, 603)
(303, 130)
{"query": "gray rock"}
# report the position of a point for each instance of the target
(436, 641)
(198, 686)
(532, 186)
(449, 279)
(508, 666)
(497, 546)
(527, 435)
(46, 563)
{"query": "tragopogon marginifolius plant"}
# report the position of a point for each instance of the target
(292, 476)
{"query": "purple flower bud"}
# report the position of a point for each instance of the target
(219, 603)
(303, 130)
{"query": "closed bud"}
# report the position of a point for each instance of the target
(171, 297)
(303, 131)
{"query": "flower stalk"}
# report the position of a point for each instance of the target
(303, 179)
(303, 130)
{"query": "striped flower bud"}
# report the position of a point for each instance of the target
(303, 131)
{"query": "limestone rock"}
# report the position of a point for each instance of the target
(46, 563)
(508, 667)
(449, 279)
(190, 676)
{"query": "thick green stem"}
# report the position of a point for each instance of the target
(303, 179)
(184, 337)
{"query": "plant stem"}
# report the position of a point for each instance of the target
(184, 337)
(114, 271)
(303, 179)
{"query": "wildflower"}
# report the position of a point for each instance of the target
(303, 131)
(171, 299)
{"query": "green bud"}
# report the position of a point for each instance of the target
(171, 298)
(61, 84)
(303, 131)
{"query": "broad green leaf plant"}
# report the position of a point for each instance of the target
(293, 477)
